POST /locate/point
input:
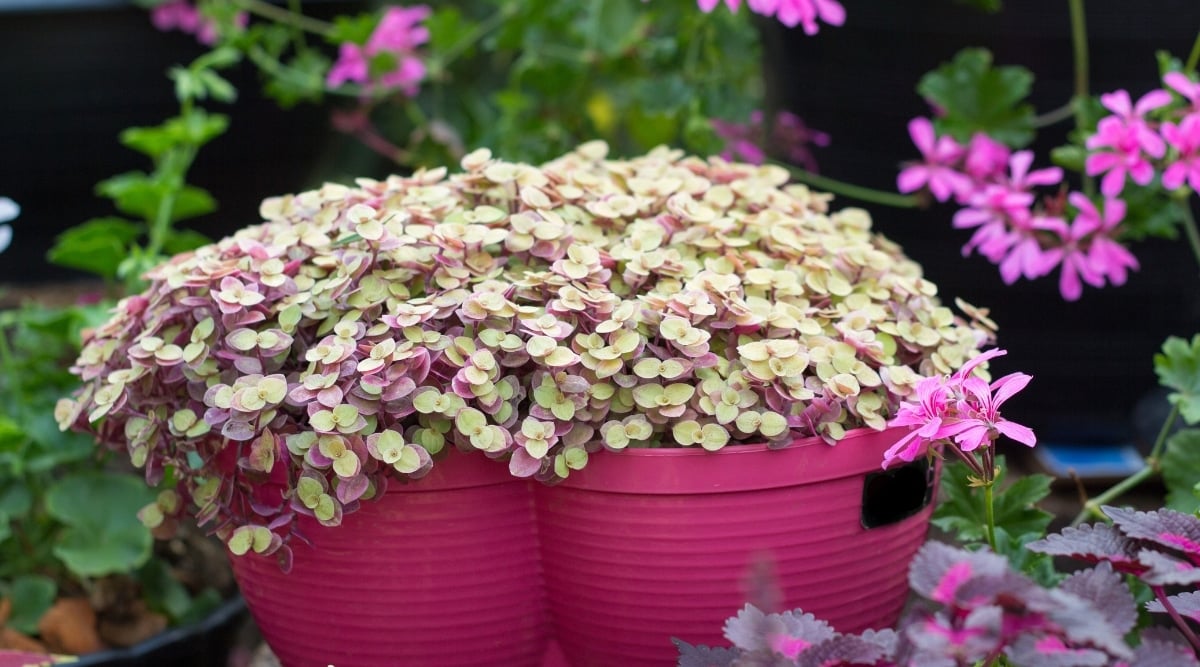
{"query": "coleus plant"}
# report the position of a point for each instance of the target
(536, 315)
(973, 609)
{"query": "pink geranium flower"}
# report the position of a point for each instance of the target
(1180, 83)
(981, 415)
(399, 33)
(707, 6)
(804, 13)
(937, 172)
(1185, 139)
(1129, 141)
(1105, 256)
(986, 158)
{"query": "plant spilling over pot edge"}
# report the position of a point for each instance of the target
(538, 315)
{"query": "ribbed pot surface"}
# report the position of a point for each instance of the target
(439, 572)
(627, 570)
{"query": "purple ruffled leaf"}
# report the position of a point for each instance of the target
(1050, 651)
(1166, 570)
(938, 570)
(843, 649)
(788, 633)
(1166, 527)
(703, 656)
(1106, 591)
(1187, 604)
(1162, 647)
(1093, 544)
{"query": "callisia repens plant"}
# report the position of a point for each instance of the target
(537, 315)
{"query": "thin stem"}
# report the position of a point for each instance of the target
(271, 65)
(1079, 42)
(1150, 468)
(1055, 115)
(1194, 57)
(853, 191)
(1174, 614)
(297, 33)
(989, 515)
(1189, 227)
(286, 17)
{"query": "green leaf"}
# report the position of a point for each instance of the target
(139, 194)
(217, 86)
(31, 596)
(989, 6)
(1178, 368)
(163, 592)
(1149, 213)
(302, 80)
(218, 58)
(96, 246)
(1181, 470)
(977, 97)
(1039, 566)
(188, 86)
(183, 240)
(1069, 157)
(103, 534)
(961, 509)
(15, 499)
(357, 29)
(201, 606)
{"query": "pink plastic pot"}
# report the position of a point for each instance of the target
(649, 544)
(443, 571)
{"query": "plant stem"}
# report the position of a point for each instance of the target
(286, 17)
(1194, 57)
(1079, 42)
(989, 514)
(1151, 467)
(1189, 227)
(853, 191)
(297, 33)
(1174, 614)
(1055, 115)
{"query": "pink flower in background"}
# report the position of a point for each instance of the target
(1021, 178)
(1180, 83)
(1106, 257)
(398, 33)
(183, 16)
(804, 13)
(351, 65)
(993, 209)
(986, 158)
(789, 138)
(938, 171)
(1129, 140)
(1184, 138)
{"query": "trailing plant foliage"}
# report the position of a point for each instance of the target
(537, 315)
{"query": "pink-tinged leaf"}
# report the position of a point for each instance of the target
(1163, 570)
(752, 630)
(1187, 604)
(237, 430)
(1164, 652)
(932, 563)
(703, 656)
(954, 577)
(845, 650)
(522, 464)
(350, 489)
(1050, 651)
(1166, 527)
(1093, 544)
(1105, 589)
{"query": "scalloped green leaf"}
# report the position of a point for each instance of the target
(1178, 368)
(102, 533)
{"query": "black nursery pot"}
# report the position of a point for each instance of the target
(1091, 360)
(204, 644)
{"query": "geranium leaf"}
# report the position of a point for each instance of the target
(703, 656)
(977, 97)
(1106, 590)
(1178, 368)
(961, 508)
(1181, 470)
(1093, 544)
(103, 534)
(31, 596)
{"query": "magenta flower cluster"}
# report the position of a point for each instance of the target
(1156, 136)
(792, 13)
(394, 44)
(185, 17)
(961, 410)
(789, 138)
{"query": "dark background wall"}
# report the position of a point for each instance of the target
(1091, 359)
(77, 73)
